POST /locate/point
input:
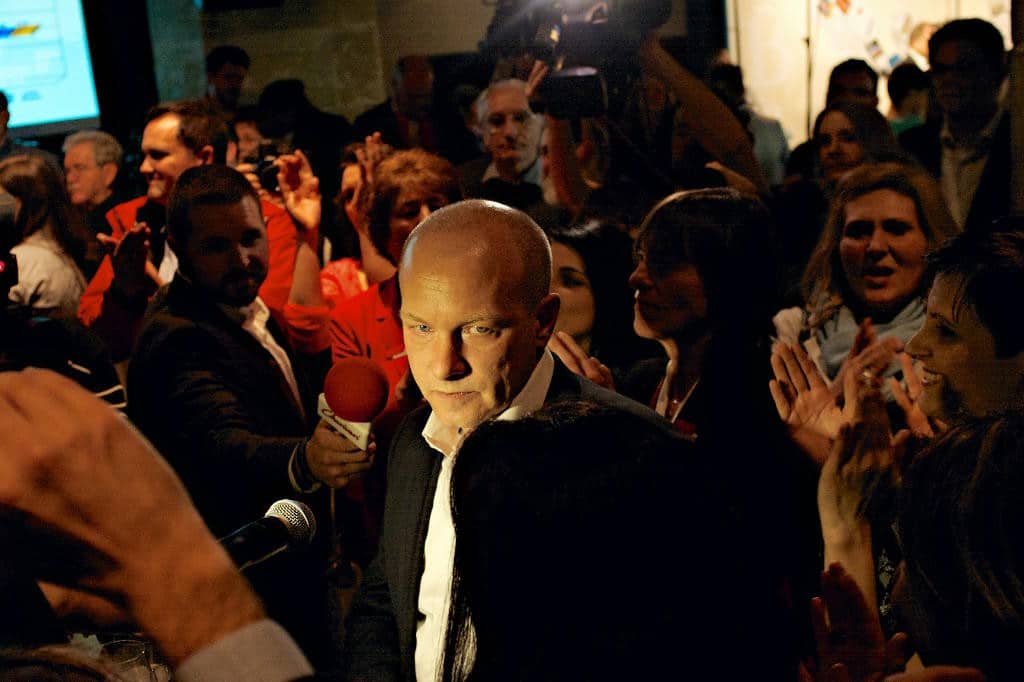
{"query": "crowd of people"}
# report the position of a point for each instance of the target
(664, 400)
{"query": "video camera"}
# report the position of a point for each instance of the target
(578, 39)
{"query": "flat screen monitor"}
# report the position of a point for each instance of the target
(45, 69)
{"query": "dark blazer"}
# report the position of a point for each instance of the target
(215, 403)
(381, 630)
(992, 199)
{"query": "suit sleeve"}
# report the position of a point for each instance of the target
(345, 341)
(305, 326)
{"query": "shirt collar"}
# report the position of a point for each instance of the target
(531, 174)
(981, 141)
(256, 312)
(529, 399)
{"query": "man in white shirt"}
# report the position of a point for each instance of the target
(477, 313)
(219, 390)
(969, 152)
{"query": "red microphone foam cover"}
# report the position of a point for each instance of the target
(356, 389)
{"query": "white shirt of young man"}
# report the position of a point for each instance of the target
(254, 318)
(962, 166)
(439, 549)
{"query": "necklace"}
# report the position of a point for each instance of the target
(671, 407)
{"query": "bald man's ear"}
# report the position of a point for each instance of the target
(547, 315)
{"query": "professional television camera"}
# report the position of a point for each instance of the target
(579, 39)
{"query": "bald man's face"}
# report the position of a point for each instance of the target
(471, 340)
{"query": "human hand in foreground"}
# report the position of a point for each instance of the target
(848, 633)
(96, 509)
(577, 360)
(333, 459)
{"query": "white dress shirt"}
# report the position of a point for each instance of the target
(963, 163)
(439, 549)
(255, 318)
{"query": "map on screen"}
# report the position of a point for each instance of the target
(45, 69)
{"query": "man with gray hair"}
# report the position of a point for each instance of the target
(92, 159)
(511, 172)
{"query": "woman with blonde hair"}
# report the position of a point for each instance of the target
(865, 279)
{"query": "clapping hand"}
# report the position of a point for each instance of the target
(803, 400)
(134, 275)
(847, 631)
(857, 475)
(867, 354)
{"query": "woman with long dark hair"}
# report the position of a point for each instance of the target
(45, 246)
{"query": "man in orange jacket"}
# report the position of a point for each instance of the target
(179, 136)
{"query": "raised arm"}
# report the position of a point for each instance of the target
(92, 486)
(718, 131)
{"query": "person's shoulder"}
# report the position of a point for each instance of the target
(170, 310)
(566, 385)
(33, 255)
(342, 279)
(271, 210)
(411, 426)
(638, 381)
(365, 121)
(357, 307)
(789, 323)
(122, 216)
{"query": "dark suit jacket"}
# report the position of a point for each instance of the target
(992, 199)
(215, 403)
(382, 624)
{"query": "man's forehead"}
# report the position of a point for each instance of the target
(451, 295)
(507, 99)
(167, 127)
(81, 149)
(226, 218)
(229, 69)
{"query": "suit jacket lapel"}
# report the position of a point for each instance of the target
(204, 312)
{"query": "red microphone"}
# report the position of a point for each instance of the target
(355, 392)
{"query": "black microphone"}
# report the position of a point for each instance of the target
(287, 525)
